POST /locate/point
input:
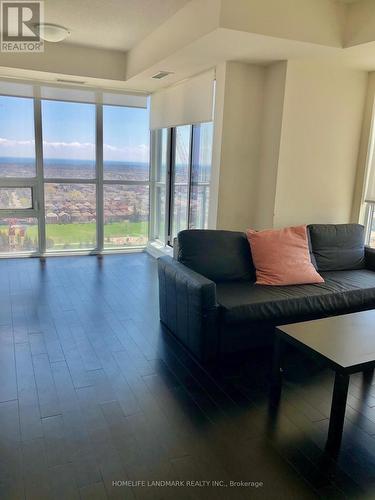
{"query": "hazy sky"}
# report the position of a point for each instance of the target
(69, 130)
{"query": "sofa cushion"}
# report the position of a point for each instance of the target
(338, 247)
(342, 291)
(282, 257)
(217, 255)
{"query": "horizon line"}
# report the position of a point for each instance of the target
(72, 159)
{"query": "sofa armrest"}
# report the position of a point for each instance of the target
(370, 258)
(188, 307)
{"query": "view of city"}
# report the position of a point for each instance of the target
(69, 177)
(71, 208)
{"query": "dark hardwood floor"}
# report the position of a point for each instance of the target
(92, 391)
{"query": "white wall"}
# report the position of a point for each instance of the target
(319, 144)
(216, 144)
(271, 127)
(358, 208)
(286, 144)
(239, 145)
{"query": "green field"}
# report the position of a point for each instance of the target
(76, 236)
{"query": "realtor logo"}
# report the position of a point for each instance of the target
(19, 26)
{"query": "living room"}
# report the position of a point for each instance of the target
(187, 249)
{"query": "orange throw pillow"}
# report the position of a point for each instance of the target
(282, 257)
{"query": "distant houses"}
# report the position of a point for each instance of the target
(68, 203)
(120, 205)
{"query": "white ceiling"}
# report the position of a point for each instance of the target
(146, 36)
(110, 24)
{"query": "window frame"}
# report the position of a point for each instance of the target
(172, 182)
(155, 184)
(369, 217)
(38, 182)
(120, 182)
(195, 134)
(24, 182)
(69, 180)
(32, 197)
(170, 175)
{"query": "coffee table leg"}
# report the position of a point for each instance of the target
(276, 380)
(336, 421)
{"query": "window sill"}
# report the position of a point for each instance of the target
(157, 249)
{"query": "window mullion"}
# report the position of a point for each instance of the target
(99, 179)
(123, 183)
(190, 174)
(39, 170)
(171, 177)
(68, 180)
(152, 180)
(168, 181)
(18, 212)
(18, 182)
(369, 217)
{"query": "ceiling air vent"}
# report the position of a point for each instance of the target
(162, 74)
(77, 82)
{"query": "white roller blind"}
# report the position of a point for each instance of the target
(128, 100)
(67, 94)
(91, 95)
(73, 94)
(188, 102)
(16, 89)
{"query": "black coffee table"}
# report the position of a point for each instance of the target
(346, 343)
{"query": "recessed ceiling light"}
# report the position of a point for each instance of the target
(52, 32)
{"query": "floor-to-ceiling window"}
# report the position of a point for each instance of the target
(18, 176)
(69, 175)
(200, 175)
(126, 176)
(180, 179)
(181, 175)
(74, 172)
(160, 173)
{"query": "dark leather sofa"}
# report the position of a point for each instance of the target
(209, 301)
